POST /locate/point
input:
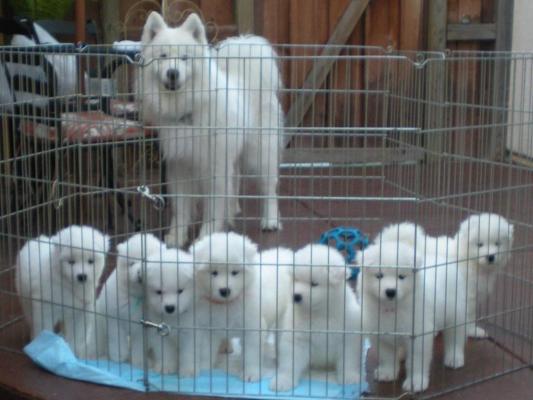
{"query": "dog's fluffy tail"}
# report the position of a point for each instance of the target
(251, 58)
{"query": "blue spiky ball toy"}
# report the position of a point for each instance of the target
(347, 240)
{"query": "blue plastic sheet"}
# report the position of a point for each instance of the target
(52, 353)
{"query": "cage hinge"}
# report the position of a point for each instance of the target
(162, 328)
(156, 199)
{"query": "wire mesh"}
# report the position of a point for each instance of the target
(97, 136)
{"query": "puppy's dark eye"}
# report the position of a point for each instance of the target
(234, 273)
(159, 292)
(214, 273)
(379, 275)
(71, 262)
(91, 261)
(497, 243)
(480, 244)
(180, 291)
(184, 57)
(130, 264)
(163, 55)
(314, 284)
(401, 277)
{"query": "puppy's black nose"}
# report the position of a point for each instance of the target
(297, 298)
(491, 258)
(81, 277)
(169, 308)
(173, 75)
(390, 293)
(224, 292)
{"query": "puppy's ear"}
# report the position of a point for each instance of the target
(250, 250)
(154, 24)
(195, 26)
(338, 274)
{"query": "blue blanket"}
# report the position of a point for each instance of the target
(52, 353)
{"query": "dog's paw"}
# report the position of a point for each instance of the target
(477, 333)
(454, 360)
(251, 376)
(187, 372)
(281, 384)
(416, 383)
(348, 378)
(385, 373)
(271, 224)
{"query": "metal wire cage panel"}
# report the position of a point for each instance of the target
(363, 139)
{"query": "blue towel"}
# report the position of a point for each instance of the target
(52, 353)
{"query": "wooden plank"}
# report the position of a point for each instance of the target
(411, 22)
(464, 32)
(218, 11)
(435, 72)
(338, 155)
(321, 68)
(504, 34)
(244, 15)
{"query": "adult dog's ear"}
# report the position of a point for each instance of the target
(154, 24)
(195, 26)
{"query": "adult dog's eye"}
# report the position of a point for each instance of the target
(184, 57)
(91, 261)
(159, 292)
(402, 277)
(234, 273)
(379, 275)
(214, 273)
(130, 264)
(71, 262)
(480, 244)
(163, 55)
(314, 284)
(497, 244)
(180, 291)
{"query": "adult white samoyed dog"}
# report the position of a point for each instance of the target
(217, 112)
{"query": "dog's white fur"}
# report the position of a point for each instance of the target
(56, 278)
(322, 301)
(119, 304)
(414, 234)
(394, 267)
(169, 299)
(228, 290)
(209, 121)
(484, 248)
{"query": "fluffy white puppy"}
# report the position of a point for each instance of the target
(484, 248)
(205, 118)
(393, 301)
(119, 304)
(56, 278)
(322, 302)
(169, 298)
(228, 304)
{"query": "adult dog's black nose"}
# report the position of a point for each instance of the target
(173, 75)
(81, 277)
(491, 258)
(297, 298)
(390, 293)
(224, 292)
(169, 308)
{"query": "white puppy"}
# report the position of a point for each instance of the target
(56, 278)
(169, 299)
(322, 302)
(119, 304)
(393, 301)
(205, 118)
(228, 304)
(484, 248)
